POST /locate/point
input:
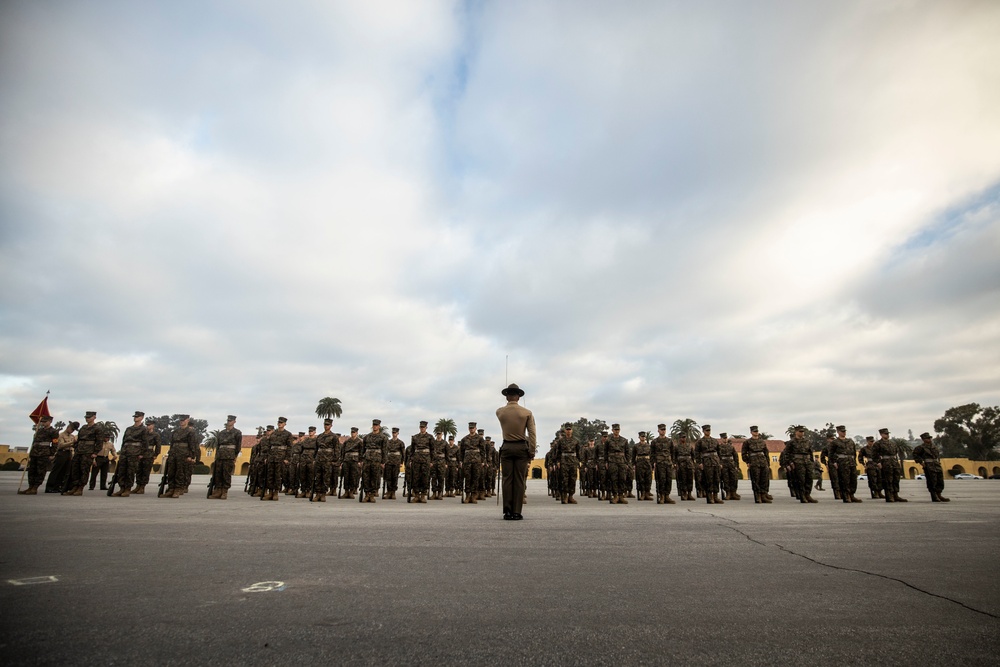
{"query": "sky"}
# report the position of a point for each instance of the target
(740, 213)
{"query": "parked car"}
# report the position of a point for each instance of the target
(921, 476)
(967, 475)
(863, 477)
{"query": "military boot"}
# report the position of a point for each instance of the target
(622, 501)
(667, 500)
(216, 494)
(224, 495)
(810, 499)
(32, 491)
(630, 494)
(717, 500)
(563, 499)
(126, 492)
(321, 498)
(836, 495)
(571, 500)
(176, 494)
(471, 499)
(888, 498)
(898, 499)
(275, 496)
(874, 496)
(942, 498)
(756, 498)
(659, 498)
(139, 489)
(880, 494)
(764, 498)
(734, 496)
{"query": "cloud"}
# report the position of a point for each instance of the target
(750, 213)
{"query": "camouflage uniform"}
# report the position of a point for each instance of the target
(88, 444)
(706, 449)
(800, 457)
(438, 466)
(420, 461)
(826, 459)
(42, 452)
(133, 444)
(228, 445)
(351, 466)
(394, 451)
(184, 444)
(454, 469)
(662, 456)
(926, 454)
(567, 460)
(601, 463)
(684, 460)
(470, 453)
(616, 454)
(757, 458)
(587, 469)
(307, 465)
(290, 474)
(891, 466)
(867, 458)
(843, 455)
(730, 479)
(258, 463)
(326, 471)
(373, 449)
(642, 463)
(279, 444)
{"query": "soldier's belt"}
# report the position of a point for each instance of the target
(642, 457)
(423, 451)
(226, 447)
(683, 458)
(568, 456)
(707, 454)
(844, 456)
(439, 456)
(351, 456)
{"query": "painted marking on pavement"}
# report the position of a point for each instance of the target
(51, 579)
(265, 587)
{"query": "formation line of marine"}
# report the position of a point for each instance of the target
(315, 466)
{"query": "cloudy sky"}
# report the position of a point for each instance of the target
(743, 213)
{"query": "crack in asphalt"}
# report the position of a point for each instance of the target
(839, 567)
(884, 576)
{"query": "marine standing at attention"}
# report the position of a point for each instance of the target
(517, 425)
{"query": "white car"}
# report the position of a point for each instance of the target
(863, 477)
(967, 475)
(920, 477)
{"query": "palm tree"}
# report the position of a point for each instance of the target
(111, 428)
(688, 427)
(446, 426)
(211, 441)
(329, 407)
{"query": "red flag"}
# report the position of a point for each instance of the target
(41, 411)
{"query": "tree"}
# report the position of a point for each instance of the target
(211, 441)
(111, 428)
(970, 427)
(59, 425)
(904, 446)
(329, 408)
(588, 429)
(688, 427)
(164, 426)
(446, 426)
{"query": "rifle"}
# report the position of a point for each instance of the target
(340, 479)
(383, 481)
(406, 485)
(500, 484)
(211, 480)
(114, 478)
(163, 480)
(361, 490)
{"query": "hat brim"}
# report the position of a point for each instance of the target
(506, 391)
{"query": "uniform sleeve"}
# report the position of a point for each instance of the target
(532, 442)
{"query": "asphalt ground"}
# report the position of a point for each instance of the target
(140, 581)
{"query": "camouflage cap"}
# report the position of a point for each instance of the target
(327, 421)
(183, 417)
(884, 431)
(870, 438)
(616, 427)
(754, 429)
(139, 413)
(270, 427)
(842, 428)
(354, 429)
(376, 422)
(438, 431)
(661, 427)
(723, 435)
(301, 433)
(642, 434)
(706, 427)
(395, 429)
(312, 429)
(423, 422)
(231, 418)
(45, 418)
(150, 420)
(481, 431)
(90, 413)
(800, 427)
(926, 436)
(282, 420)
(472, 424)
(566, 426)
(451, 437)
